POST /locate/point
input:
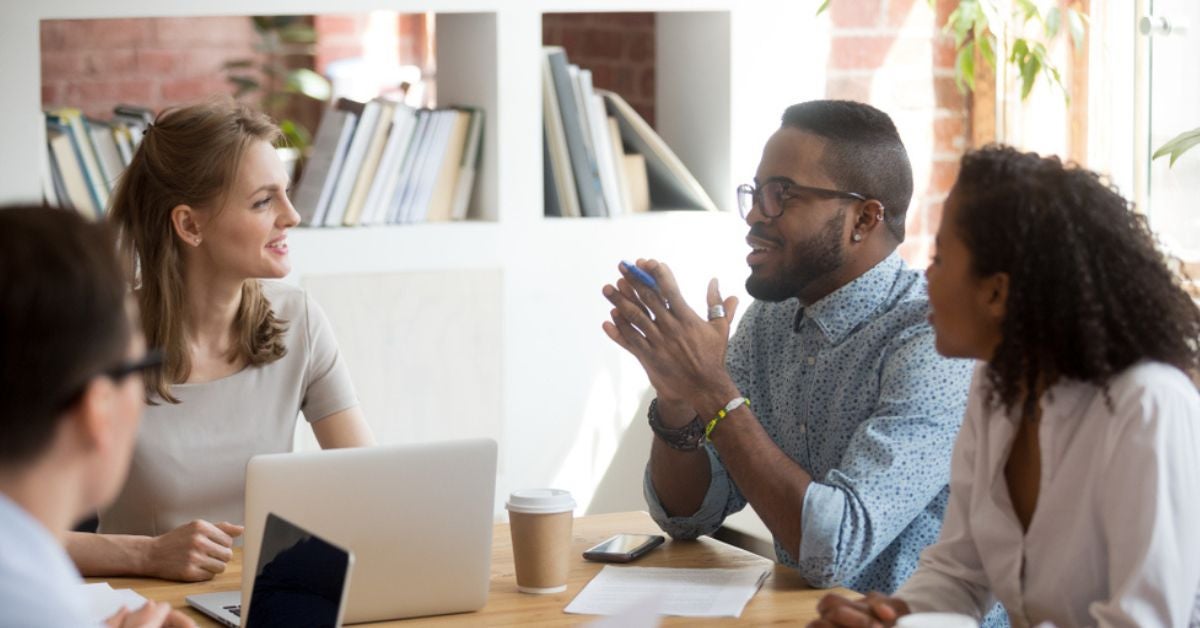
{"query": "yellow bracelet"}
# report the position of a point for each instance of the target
(722, 413)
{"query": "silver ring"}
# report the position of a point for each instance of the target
(716, 311)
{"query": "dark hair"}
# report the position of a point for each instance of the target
(64, 320)
(1090, 293)
(863, 154)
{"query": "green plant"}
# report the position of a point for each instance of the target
(1028, 25)
(1178, 145)
(283, 40)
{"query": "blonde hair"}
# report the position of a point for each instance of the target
(190, 156)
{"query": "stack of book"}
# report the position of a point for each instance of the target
(84, 156)
(602, 158)
(383, 162)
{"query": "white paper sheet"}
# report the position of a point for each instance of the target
(104, 601)
(682, 592)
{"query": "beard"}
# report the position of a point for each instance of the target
(812, 259)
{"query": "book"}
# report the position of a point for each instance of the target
(370, 162)
(124, 140)
(136, 118)
(619, 161)
(406, 180)
(51, 178)
(468, 167)
(348, 175)
(671, 185)
(65, 152)
(562, 199)
(108, 155)
(404, 119)
(430, 164)
(324, 163)
(601, 143)
(639, 189)
(72, 118)
(441, 197)
(587, 178)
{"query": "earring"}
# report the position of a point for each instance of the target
(857, 237)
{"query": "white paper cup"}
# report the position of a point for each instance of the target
(936, 620)
(540, 523)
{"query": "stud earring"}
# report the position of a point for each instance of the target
(857, 237)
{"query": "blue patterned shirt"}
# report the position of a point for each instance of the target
(852, 389)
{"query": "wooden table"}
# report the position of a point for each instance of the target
(784, 597)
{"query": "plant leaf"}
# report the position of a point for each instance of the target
(987, 50)
(1178, 145)
(1053, 22)
(1075, 25)
(309, 83)
(238, 64)
(824, 5)
(964, 68)
(1029, 71)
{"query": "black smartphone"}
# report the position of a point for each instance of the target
(622, 548)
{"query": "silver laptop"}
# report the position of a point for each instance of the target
(302, 580)
(417, 517)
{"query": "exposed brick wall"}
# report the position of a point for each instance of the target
(617, 47)
(153, 62)
(340, 37)
(893, 55)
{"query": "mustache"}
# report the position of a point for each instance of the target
(758, 231)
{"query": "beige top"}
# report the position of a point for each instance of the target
(190, 458)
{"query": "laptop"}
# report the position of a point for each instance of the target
(418, 518)
(301, 580)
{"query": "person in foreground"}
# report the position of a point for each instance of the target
(843, 448)
(70, 364)
(204, 214)
(1074, 484)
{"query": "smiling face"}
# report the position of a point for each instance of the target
(966, 310)
(247, 236)
(804, 245)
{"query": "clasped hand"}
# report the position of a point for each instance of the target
(682, 353)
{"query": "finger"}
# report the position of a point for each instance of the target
(232, 529)
(118, 617)
(882, 607)
(176, 619)
(634, 313)
(214, 533)
(643, 294)
(215, 550)
(152, 614)
(714, 293)
(828, 602)
(851, 616)
(630, 338)
(668, 287)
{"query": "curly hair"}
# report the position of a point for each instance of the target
(1090, 292)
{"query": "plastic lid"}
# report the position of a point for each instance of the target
(540, 501)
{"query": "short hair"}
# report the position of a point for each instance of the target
(1090, 292)
(63, 320)
(863, 154)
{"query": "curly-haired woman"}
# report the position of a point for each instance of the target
(1075, 481)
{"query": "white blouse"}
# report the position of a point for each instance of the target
(1115, 536)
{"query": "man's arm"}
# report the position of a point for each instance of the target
(681, 478)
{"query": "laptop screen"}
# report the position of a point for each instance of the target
(300, 579)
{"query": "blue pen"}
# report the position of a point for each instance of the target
(641, 275)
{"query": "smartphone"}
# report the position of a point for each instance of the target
(622, 548)
(640, 275)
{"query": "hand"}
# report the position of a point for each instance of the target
(192, 552)
(873, 611)
(682, 353)
(152, 615)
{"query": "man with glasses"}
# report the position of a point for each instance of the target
(829, 411)
(70, 370)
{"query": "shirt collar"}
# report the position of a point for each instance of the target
(844, 309)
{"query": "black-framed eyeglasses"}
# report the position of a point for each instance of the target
(152, 359)
(774, 194)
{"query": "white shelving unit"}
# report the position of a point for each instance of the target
(492, 327)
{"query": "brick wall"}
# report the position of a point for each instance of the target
(617, 47)
(340, 37)
(96, 64)
(893, 55)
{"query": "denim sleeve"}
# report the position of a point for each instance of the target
(897, 462)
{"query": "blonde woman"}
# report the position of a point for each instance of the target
(203, 213)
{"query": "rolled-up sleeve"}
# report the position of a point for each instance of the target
(721, 500)
(896, 463)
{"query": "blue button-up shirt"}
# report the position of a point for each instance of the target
(852, 389)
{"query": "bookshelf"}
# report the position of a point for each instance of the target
(492, 327)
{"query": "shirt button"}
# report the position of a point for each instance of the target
(803, 428)
(812, 361)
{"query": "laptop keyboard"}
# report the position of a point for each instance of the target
(235, 609)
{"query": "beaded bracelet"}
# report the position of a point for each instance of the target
(734, 404)
(686, 438)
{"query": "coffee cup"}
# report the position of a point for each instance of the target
(540, 523)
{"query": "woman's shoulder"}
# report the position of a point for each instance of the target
(1151, 390)
(288, 301)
